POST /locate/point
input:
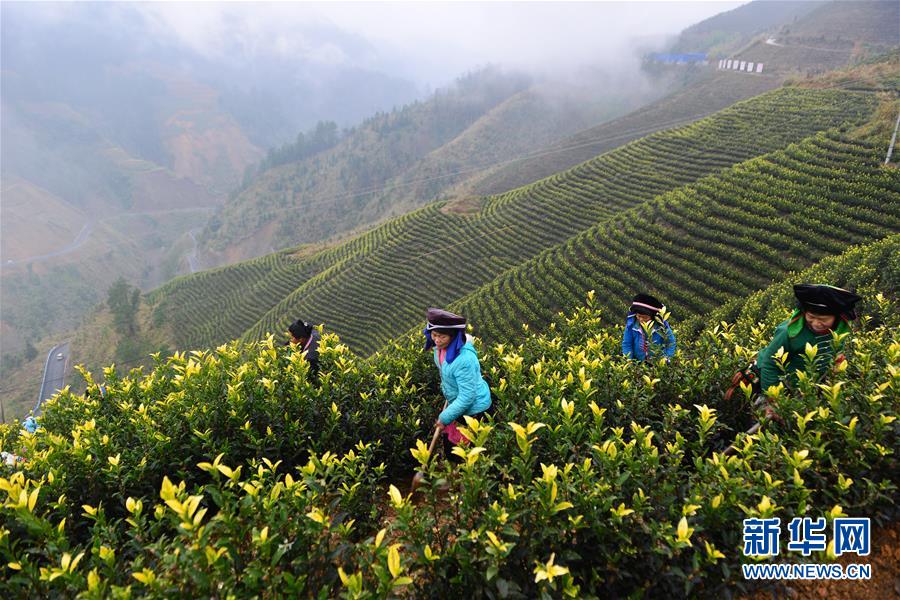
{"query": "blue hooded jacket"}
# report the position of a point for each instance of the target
(662, 341)
(466, 391)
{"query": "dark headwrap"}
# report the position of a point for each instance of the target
(645, 304)
(448, 323)
(826, 300)
(300, 329)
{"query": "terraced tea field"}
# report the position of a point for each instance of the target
(699, 246)
(374, 287)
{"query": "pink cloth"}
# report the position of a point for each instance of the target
(454, 435)
(442, 354)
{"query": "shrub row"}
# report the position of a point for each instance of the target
(228, 473)
(704, 244)
(434, 258)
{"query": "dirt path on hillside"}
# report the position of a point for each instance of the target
(773, 42)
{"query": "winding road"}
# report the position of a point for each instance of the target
(773, 42)
(89, 227)
(192, 255)
(77, 243)
(54, 374)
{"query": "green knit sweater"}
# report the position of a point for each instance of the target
(793, 335)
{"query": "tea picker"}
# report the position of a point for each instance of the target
(306, 337)
(821, 320)
(465, 391)
(647, 332)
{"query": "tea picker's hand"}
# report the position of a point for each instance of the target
(438, 425)
(772, 415)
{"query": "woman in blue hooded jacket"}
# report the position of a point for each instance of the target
(465, 390)
(645, 308)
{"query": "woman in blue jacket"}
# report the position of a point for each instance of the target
(465, 390)
(646, 308)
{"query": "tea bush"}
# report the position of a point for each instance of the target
(232, 473)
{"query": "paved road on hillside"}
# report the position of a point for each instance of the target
(86, 231)
(54, 374)
(77, 243)
(192, 255)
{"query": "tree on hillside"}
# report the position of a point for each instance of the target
(324, 136)
(123, 301)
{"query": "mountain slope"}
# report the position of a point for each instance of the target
(811, 37)
(397, 162)
(705, 94)
(374, 287)
(109, 116)
(522, 124)
(730, 30)
(826, 26)
(40, 213)
(872, 23)
(320, 189)
(69, 194)
(833, 35)
(440, 257)
(870, 270)
(706, 243)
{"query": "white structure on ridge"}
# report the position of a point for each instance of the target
(730, 64)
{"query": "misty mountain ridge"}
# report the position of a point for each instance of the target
(118, 137)
(358, 182)
(110, 65)
(825, 24)
(402, 159)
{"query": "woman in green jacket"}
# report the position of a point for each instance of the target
(821, 310)
(465, 390)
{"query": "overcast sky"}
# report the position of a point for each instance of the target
(428, 41)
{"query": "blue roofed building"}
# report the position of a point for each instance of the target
(691, 58)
